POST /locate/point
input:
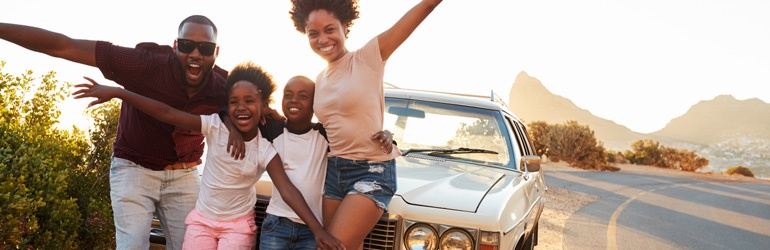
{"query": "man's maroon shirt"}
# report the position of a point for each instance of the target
(154, 71)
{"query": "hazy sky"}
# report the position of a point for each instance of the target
(638, 63)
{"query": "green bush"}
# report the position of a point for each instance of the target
(645, 152)
(739, 170)
(650, 152)
(615, 157)
(49, 197)
(682, 159)
(93, 186)
(36, 165)
(570, 142)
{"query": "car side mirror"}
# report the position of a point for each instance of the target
(531, 162)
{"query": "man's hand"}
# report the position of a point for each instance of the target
(385, 139)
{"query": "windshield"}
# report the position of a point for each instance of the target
(426, 125)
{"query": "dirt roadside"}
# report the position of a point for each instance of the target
(561, 203)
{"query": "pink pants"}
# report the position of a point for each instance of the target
(203, 233)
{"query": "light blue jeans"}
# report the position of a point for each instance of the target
(137, 192)
(280, 233)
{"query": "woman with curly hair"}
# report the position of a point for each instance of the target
(349, 102)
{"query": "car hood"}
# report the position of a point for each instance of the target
(444, 184)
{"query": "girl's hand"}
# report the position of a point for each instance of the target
(93, 89)
(385, 139)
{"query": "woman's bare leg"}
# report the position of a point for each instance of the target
(329, 208)
(354, 218)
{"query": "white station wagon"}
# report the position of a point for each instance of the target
(468, 177)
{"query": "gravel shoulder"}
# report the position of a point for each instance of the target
(562, 203)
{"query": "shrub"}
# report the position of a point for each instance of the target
(36, 165)
(538, 131)
(739, 170)
(54, 192)
(570, 142)
(615, 157)
(645, 152)
(649, 152)
(682, 159)
(93, 186)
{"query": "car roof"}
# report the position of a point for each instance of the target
(476, 101)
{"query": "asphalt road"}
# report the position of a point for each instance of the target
(639, 211)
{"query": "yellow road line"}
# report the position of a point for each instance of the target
(612, 243)
(726, 217)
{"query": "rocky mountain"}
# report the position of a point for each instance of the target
(531, 101)
(727, 131)
(721, 119)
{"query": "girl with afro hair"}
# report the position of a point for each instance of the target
(349, 102)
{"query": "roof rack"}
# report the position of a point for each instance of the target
(389, 85)
(496, 98)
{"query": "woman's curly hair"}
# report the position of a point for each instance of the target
(345, 10)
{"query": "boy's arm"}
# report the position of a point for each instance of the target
(50, 43)
(396, 35)
(156, 109)
(293, 197)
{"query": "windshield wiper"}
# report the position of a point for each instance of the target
(448, 151)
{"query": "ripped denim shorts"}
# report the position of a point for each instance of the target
(373, 179)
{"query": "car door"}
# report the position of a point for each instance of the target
(533, 185)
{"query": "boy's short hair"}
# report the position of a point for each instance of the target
(305, 78)
(253, 73)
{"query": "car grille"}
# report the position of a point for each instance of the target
(383, 237)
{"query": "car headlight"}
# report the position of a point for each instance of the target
(456, 239)
(420, 237)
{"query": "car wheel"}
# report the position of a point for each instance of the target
(529, 242)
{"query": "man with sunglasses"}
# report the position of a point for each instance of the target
(154, 165)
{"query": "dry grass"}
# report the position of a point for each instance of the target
(559, 207)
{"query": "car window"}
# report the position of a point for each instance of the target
(427, 125)
(527, 139)
(521, 138)
(521, 149)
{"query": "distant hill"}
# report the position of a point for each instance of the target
(531, 101)
(726, 131)
(719, 120)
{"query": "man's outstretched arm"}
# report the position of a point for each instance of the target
(50, 43)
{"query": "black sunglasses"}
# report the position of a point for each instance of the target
(187, 47)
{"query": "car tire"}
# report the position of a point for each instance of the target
(529, 242)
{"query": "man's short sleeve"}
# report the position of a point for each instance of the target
(125, 65)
